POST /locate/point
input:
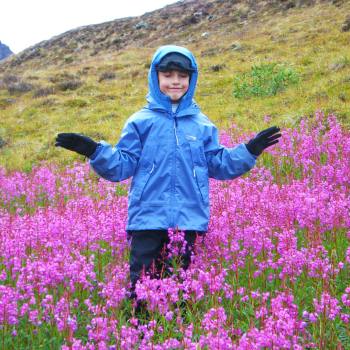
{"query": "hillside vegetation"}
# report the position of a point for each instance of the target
(91, 79)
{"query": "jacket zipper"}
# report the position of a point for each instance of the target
(176, 143)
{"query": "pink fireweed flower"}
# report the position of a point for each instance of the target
(34, 317)
(220, 341)
(3, 275)
(128, 338)
(327, 306)
(159, 294)
(214, 319)
(177, 244)
(100, 329)
(8, 305)
(281, 329)
(169, 315)
(347, 256)
(345, 318)
(345, 298)
(114, 291)
(62, 316)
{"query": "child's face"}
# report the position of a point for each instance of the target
(173, 84)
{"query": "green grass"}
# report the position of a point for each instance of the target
(307, 41)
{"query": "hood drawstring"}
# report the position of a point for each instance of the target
(177, 139)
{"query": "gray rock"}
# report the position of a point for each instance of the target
(236, 46)
(141, 25)
(198, 14)
(337, 66)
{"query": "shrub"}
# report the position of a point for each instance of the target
(106, 76)
(69, 85)
(14, 84)
(217, 67)
(7, 79)
(68, 59)
(19, 87)
(42, 92)
(264, 80)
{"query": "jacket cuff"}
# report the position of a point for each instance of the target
(250, 154)
(97, 150)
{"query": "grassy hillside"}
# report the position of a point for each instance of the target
(94, 94)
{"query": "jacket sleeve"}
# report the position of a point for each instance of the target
(227, 163)
(118, 163)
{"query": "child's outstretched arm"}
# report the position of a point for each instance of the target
(112, 163)
(228, 163)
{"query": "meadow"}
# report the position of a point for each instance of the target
(271, 273)
(273, 270)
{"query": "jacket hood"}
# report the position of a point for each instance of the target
(159, 101)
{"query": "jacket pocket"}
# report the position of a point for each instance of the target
(147, 166)
(200, 171)
(141, 182)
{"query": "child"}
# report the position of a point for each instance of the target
(171, 149)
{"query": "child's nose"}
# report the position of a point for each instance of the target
(176, 79)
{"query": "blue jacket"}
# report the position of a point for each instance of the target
(171, 157)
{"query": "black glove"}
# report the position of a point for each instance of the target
(264, 139)
(77, 143)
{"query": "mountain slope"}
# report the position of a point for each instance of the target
(80, 81)
(183, 22)
(4, 51)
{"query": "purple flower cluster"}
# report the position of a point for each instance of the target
(8, 305)
(272, 271)
(159, 294)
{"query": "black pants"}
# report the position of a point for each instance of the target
(148, 253)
